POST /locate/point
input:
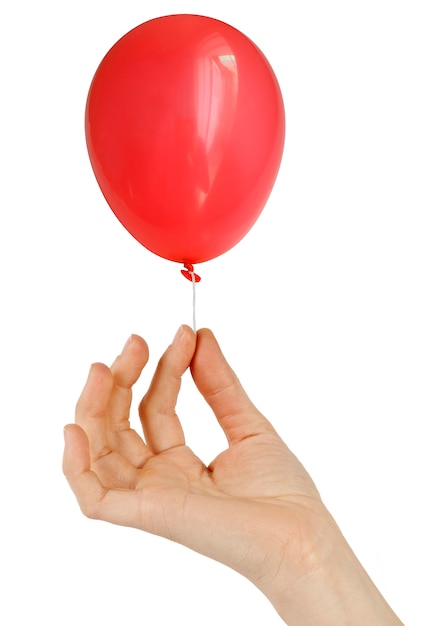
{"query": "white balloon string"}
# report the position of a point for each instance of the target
(193, 280)
(188, 272)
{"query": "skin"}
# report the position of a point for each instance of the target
(254, 508)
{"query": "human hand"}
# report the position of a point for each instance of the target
(254, 508)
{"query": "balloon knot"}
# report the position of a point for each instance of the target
(188, 272)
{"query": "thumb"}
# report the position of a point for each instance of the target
(222, 390)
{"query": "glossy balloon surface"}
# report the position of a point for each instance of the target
(185, 131)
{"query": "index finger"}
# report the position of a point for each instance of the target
(157, 409)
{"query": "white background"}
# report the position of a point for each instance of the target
(327, 309)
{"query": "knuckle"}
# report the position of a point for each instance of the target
(91, 507)
(90, 510)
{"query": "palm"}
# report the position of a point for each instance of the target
(252, 468)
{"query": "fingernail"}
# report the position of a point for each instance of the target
(178, 335)
(127, 343)
(65, 433)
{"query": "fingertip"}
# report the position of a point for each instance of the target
(183, 333)
(206, 340)
(209, 367)
(76, 451)
(74, 434)
(129, 364)
(206, 332)
(207, 347)
(72, 431)
(98, 384)
(137, 343)
(99, 370)
(184, 342)
(67, 432)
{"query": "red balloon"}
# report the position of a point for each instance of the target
(185, 132)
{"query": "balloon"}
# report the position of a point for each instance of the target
(185, 128)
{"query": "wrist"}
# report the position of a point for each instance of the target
(319, 581)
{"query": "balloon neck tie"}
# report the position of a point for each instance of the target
(189, 274)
